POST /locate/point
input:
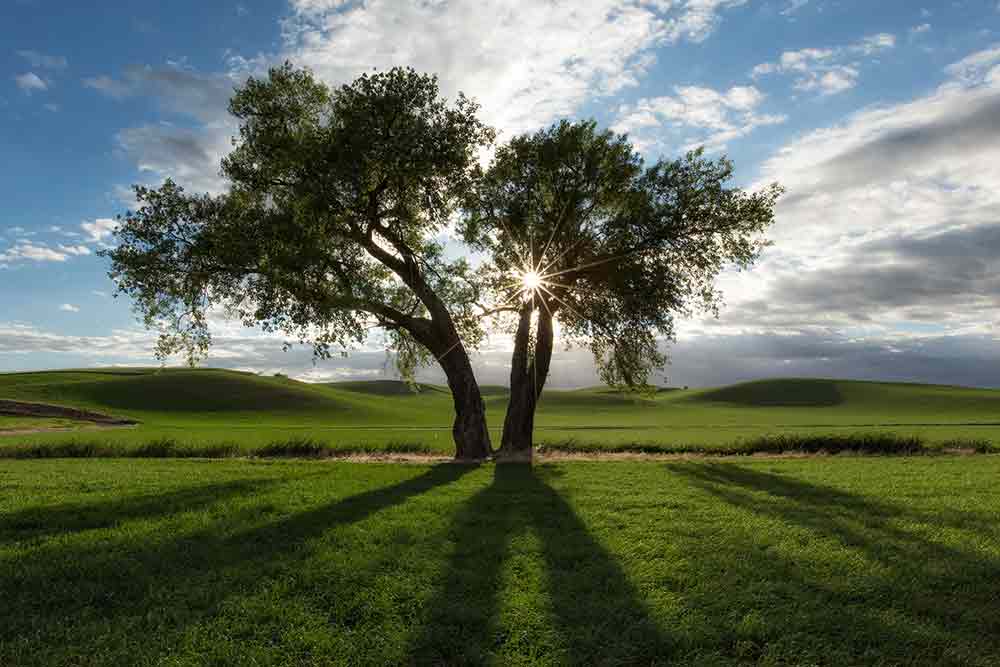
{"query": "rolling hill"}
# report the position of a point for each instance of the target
(209, 405)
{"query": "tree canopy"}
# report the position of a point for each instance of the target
(328, 228)
(579, 230)
(331, 224)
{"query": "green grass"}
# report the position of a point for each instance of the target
(213, 408)
(10, 423)
(842, 561)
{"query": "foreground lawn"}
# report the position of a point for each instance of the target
(812, 561)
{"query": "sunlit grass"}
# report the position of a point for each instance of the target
(816, 561)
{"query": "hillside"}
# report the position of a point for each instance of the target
(168, 396)
(888, 402)
(227, 406)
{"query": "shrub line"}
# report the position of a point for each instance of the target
(885, 444)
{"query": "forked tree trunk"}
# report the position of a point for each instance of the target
(472, 437)
(527, 379)
(440, 336)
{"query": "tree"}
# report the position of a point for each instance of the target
(578, 230)
(327, 229)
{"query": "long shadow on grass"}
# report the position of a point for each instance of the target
(67, 518)
(880, 584)
(598, 615)
(71, 593)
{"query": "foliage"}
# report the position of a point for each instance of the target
(621, 248)
(328, 228)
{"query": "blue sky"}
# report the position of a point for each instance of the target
(878, 117)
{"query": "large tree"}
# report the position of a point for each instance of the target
(580, 231)
(327, 229)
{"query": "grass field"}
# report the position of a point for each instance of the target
(212, 408)
(822, 561)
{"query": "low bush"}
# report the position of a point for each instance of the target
(853, 443)
(293, 448)
(310, 448)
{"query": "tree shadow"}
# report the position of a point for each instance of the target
(598, 615)
(68, 592)
(742, 566)
(67, 518)
(882, 582)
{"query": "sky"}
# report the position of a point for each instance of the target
(881, 119)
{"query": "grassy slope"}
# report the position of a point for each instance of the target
(211, 406)
(819, 561)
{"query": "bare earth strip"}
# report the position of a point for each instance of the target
(552, 457)
(23, 409)
(65, 429)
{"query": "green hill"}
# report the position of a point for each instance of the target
(156, 395)
(386, 387)
(212, 406)
(887, 402)
(777, 393)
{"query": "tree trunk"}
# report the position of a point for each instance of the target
(527, 379)
(469, 431)
(472, 437)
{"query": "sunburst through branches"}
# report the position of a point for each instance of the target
(533, 282)
(530, 282)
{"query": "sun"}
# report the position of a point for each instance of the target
(531, 281)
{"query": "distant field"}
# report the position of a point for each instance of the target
(242, 410)
(821, 561)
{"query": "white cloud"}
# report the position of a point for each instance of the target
(889, 219)
(99, 229)
(124, 196)
(973, 67)
(233, 347)
(26, 250)
(42, 60)
(177, 88)
(920, 29)
(695, 19)
(527, 63)
(30, 82)
(717, 117)
(76, 250)
(109, 86)
(191, 157)
(793, 6)
(874, 44)
(69, 308)
(831, 82)
(826, 70)
(30, 251)
(712, 356)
